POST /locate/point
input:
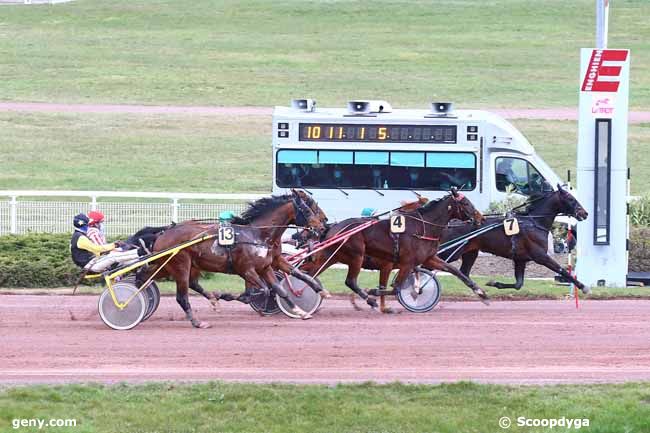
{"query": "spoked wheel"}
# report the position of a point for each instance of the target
(420, 292)
(300, 294)
(152, 296)
(263, 303)
(127, 317)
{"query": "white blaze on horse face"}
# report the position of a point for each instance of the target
(262, 251)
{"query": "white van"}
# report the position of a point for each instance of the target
(368, 155)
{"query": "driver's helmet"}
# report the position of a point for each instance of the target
(95, 217)
(80, 221)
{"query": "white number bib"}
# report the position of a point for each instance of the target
(397, 224)
(511, 226)
(226, 235)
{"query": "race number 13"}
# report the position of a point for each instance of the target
(226, 235)
(397, 224)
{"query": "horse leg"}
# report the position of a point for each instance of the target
(213, 297)
(182, 276)
(437, 263)
(287, 268)
(354, 268)
(544, 260)
(384, 273)
(520, 269)
(269, 277)
(469, 259)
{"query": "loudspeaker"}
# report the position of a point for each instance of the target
(442, 107)
(303, 104)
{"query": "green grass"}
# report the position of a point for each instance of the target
(201, 154)
(135, 153)
(500, 53)
(221, 407)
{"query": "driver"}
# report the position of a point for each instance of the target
(97, 256)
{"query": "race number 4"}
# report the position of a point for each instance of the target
(226, 236)
(397, 224)
(511, 226)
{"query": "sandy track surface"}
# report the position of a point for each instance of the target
(543, 113)
(507, 342)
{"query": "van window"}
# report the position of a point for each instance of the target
(433, 171)
(518, 175)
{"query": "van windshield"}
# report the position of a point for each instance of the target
(433, 171)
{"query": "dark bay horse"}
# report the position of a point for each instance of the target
(417, 244)
(530, 244)
(250, 257)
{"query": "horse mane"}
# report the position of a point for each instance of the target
(260, 207)
(534, 201)
(431, 203)
(410, 206)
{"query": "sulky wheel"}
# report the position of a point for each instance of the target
(152, 296)
(420, 292)
(264, 302)
(301, 294)
(127, 317)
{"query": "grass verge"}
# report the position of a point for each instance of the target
(201, 153)
(255, 52)
(222, 407)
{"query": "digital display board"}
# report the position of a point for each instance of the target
(337, 132)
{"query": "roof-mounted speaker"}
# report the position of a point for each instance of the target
(303, 104)
(442, 108)
(369, 107)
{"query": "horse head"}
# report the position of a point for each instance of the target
(461, 208)
(569, 205)
(304, 216)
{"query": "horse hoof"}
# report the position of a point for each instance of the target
(306, 316)
(372, 302)
(491, 283)
(586, 290)
(387, 310)
(325, 294)
(201, 325)
(485, 301)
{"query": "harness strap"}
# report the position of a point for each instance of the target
(395, 237)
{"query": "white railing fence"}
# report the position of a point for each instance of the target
(126, 212)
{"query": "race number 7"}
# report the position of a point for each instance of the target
(397, 224)
(226, 236)
(511, 226)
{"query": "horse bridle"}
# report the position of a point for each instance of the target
(302, 211)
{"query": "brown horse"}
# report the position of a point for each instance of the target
(250, 257)
(530, 244)
(405, 251)
(279, 261)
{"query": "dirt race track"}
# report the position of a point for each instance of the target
(62, 339)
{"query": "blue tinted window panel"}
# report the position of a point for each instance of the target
(371, 158)
(451, 160)
(297, 157)
(407, 159)
(334, 157)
